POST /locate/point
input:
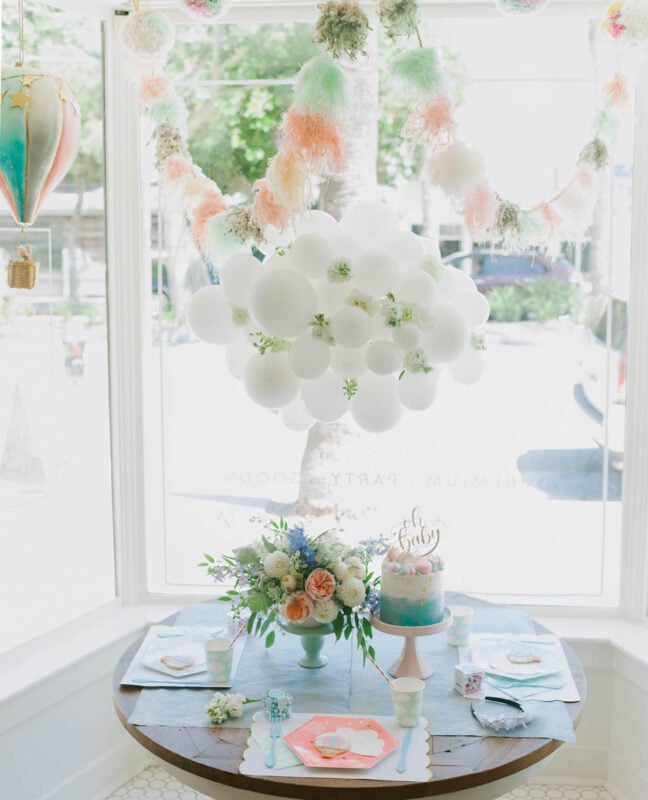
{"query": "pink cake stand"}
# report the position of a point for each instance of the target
(410, 663)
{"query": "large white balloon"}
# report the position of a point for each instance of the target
(269, 381)
(446, 283)
(463, 281)
(348, 363)
(370, 221)
(209, 315)
(406, 336)
(324, 397)
(309, 357)
(405, 248)
(316, 221)
(375, 272)
(238, 354)
(376, 407)
(332, 296)
(283, 302)
(281, 259)
(415, 286)
(384, 357)
(351, 327)
(475, 306)
(295, 416)
(238, 275)
(446, 335)
(312, 254)
(417, 390)
(468, 367)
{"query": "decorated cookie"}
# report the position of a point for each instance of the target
(178, 662)
(331, 744)
(524, 657)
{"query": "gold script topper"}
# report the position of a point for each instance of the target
(414, 533)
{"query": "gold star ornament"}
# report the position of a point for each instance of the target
(19, 99)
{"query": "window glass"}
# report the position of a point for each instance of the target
(56, 538)
(527, 479)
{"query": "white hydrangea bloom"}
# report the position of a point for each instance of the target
(355, 567)
(277, 564)
(341, 571)
(326, 610)
(351, 592)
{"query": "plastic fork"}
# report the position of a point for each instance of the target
(275, 733)
(523, 684)
(402, 761)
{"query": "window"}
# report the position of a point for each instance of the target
(512, 464)
(56, 537)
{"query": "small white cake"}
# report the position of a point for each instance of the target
(411, 589)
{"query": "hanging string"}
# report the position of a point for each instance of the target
(21, 33)
(418, 36)
(136, 6)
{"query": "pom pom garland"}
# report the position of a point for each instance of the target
(314, 137)
(399, 17)
(321, 88)
(205, 9)
(372, 345)
(419, 72)
(147, 34)
(431, 123)
(518, 7)
(627, 22)
(342, 28)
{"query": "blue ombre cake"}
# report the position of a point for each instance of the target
(411, 589)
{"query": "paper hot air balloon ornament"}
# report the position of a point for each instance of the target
(39, 136)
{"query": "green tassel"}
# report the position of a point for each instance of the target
(342, 28)
(606, 125)
(321, 88)
(530, 229)
(594, 153)
(168, 111)
(399, 17)
(419, 71)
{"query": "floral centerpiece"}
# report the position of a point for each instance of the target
(301, 579)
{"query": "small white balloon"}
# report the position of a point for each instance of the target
(405, 248)
(346, 246)
(283, 302)
(269, 381)
(279, 259)
(415, 286)
(316, 221)
(312, 254)
(384, 357)
(446, 283)
(209, 315)
(351, 327)
(274, 238)
(463, 281)
(238, 274)
(348, 363)
(331, 296)
(375, 272)
(446, 335)
(295, 416)
(406, 336)
(468, 367)
(370, 221)
(376, 407)
(309, 357)
(430, 246)
(237, 355)
(324, 397)
(475, 306)
(417, 390)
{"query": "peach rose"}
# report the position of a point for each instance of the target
(320, 584)
(298, 607)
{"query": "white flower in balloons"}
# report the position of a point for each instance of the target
(352, 317)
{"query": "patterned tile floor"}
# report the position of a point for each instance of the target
(155, 784)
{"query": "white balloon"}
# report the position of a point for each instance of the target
(446, 335)
(383, 357)
(468, 367)
(346, 246)
(475, 306)
(405, 248)
(316, 221)
(238, 354)
(269, 381)
(283, 302)
(415, 286)
(463, 281)
(375, 272)
(312, 254)
(370, 221)
(238, 274)
(430, 246)
(209, 315)
(376, 406)
(295, 416)
(324, 397)
(274, 238)
(351, 327)
(331, 296)
(417, 390)
(406, 336)
(446, 283)
(348, 363)
(309, 357)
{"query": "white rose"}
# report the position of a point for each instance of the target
(277, 564)
(326, 610)
(355, 567)
(289, 582)
(351, 592)
(341, 571)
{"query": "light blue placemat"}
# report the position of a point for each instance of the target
(345, 685)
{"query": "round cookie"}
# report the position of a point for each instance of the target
(331, 745)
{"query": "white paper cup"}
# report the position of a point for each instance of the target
(407, 698)
(218, 658)
(459, 630)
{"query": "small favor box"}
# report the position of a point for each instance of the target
(468, 680)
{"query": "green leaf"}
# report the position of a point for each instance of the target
(347, 632)
(268, 544)
(372, 651)
(209, 558)
(203, 564)
(366, 627)
(225, 599)
(265, 626)
(246, 555)
(270, 639)
(232, 592)
(250, 624)
(258, 601)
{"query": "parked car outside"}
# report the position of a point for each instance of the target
(491, 268)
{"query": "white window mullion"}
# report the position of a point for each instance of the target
(128, 243)
(634, 582)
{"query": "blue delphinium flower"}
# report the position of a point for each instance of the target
(299, 544)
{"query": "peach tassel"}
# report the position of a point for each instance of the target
(549, 218)
(480, 210)
(287, 178)
(616, 91)
(212, 203)
(431, 121)
(176, 167)
(154, 87)
(266, 211)
(317, 138)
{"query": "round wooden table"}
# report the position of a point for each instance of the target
(464, 767)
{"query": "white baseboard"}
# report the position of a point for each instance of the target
(101, 777)
(576, 763)
(625, 779)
